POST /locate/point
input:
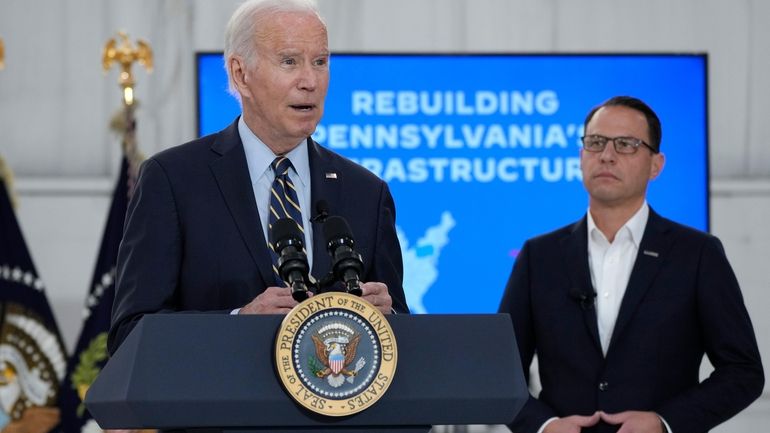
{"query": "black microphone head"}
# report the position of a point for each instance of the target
(285, 232)
(321, 211)
(576, 294)
(322, 207)
(346, 263)
(585, 298)
(336, 227)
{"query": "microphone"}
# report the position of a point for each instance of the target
(347, 265)
(321, 211)
(292, 261)
(586, 299)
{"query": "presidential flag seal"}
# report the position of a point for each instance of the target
(335, 354)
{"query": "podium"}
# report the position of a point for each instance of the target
(215, 372)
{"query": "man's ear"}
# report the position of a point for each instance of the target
(658, 161)
(237, 67)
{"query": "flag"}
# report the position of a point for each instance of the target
(32, 354)
(90, 353)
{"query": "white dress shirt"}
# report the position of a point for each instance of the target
(611, 265)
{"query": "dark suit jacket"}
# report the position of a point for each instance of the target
(682, 301)
(193, 239)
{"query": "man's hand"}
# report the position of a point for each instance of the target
(34, 420)
(274, 300)
(377, 294)
(635, 421)
(571, 424)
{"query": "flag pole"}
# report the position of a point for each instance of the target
(90, 352)
(2, 54)
(121, 51)
(6, 175)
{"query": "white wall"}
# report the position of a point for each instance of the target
(55, 103)
(740, 211)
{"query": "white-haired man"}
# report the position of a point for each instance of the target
(197, 226)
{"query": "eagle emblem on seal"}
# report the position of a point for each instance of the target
(335, 348)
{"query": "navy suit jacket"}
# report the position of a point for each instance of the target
(193, 240)
(682, 301)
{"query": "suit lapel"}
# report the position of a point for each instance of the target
(232, 175)
(325, 184)
(651, 255)
(575, 247)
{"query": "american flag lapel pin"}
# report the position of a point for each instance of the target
(331, 175)
(651, 253)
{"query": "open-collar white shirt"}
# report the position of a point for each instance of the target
(611, 265)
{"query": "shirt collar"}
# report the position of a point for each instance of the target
(259, 156)
(635, 225)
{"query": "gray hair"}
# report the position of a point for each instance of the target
(246, 20)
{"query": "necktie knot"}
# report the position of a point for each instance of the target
(281, 166)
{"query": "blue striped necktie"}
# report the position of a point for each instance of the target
(283, 204)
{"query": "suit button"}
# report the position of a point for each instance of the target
(603, 386)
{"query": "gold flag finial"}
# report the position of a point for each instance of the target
(124, 53)
(2, 54)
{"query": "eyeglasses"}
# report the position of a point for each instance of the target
(624, 145)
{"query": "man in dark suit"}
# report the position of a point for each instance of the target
(197, 227)
(621, 306)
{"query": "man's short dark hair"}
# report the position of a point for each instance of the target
(653, 123)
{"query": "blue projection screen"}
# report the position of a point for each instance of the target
(481, 152)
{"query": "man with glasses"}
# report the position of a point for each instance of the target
(621, 306)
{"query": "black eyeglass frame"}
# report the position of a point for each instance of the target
(633, 141)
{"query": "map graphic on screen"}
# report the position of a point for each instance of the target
(481, 152)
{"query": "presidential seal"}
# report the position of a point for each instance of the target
(335, 354)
